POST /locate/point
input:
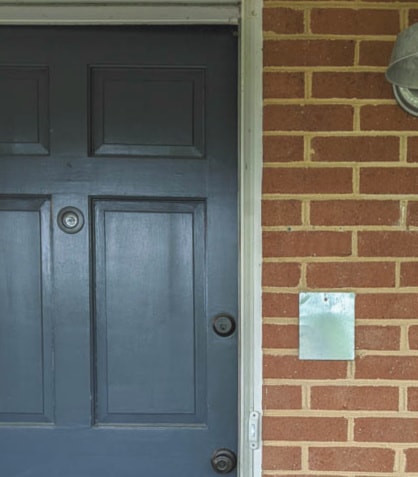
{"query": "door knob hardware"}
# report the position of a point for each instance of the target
(224, 461)
(70, 220)
(224, 325)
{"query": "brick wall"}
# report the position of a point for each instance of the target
(340, 213)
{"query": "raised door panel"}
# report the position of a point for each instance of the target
(24, 121)
(25, 326)
(144, 111)
(149, 311)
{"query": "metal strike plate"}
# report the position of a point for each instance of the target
(254, 431)
(326, 326)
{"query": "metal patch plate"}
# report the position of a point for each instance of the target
(326, 326)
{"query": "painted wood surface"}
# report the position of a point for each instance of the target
(110, 364)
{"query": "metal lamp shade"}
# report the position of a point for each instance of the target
(403, 69)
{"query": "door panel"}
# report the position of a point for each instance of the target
(25, 327)
(141, 127)
(149, 281)
(24, 120)
(109, 364)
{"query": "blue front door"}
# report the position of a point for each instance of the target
(118, 252)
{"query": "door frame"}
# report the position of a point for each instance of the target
(248, 15)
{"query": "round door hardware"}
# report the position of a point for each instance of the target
(224, 325)
(224, 461)
(70, 220)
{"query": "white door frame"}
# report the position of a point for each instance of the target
(248, 15)
(251, 135)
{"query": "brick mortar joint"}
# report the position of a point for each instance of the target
(349, 415)
(342, 382)
(343, 133)
(347, 165)
(326, 69)
(339, 4)
(360, 354)
(271, 36)
(355, 102)
(342, 444)
(337, 228)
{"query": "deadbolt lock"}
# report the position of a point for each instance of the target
(224, 325)
(70, 220)
(224, 461)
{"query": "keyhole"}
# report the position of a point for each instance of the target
(70, 220)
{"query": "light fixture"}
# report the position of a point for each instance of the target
(403, 69)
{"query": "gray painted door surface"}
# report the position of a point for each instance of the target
(109, 363)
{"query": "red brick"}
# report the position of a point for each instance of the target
(412, 215)
(388, 244)
(350, 275)
(309, 52)
(283, 148)
(387, 367)
(375, 53)
(283, 20)
(355, 398)
(280, 336)
(386, 306)
(313, 117)
(281, 212)
(413, 337)
(355, 212)
(291, 367)
(302, 475)
(305, 428)
(346, 21)
(389, 180)
(282, 458)
(355, 149)
(411, 460)
(378, 337)
(351, 459)
(283, 85)
(285, 305)
(351, 85)
(412, 399)
(307, 244)
(295, 1)
(409, 274)
(305, 180)
(412, 149)
(281, 274)
(386, 117)
(386, 430)
(282, 397)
